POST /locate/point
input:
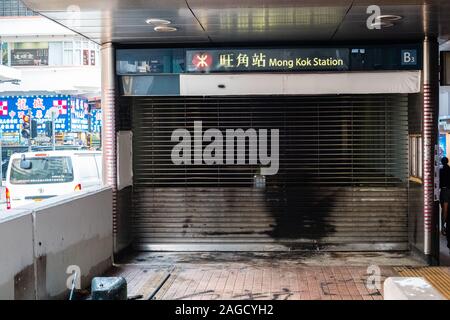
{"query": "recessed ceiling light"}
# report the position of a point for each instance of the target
(390, 17)
(157, 22)
(381, 24)
(165, 29)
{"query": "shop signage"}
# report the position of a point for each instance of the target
(85, 57)
(70, 117)
(29, 57)
(409, 57)
(4, 53)
(96, 120)
(79, 115)
(442, 146)
(268, 60)
(92, 57)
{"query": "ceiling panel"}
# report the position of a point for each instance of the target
(103, 5)
(293, 23)
(409, 27)
(124, 21)
(246, 21)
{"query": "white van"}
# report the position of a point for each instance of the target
(35, 176)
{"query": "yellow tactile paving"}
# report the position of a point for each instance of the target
(438, 277)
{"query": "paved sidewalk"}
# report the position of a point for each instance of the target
(247, 276)
(308, 283)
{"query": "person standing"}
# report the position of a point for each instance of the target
(444, 185)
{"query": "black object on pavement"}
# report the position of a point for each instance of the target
(109, 288)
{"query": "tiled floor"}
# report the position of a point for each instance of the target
(316, 283)
(192, 276)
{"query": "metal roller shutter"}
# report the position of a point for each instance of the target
(341, 185)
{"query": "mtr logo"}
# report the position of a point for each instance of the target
(202, 60)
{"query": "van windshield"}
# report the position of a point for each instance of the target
(43, 170)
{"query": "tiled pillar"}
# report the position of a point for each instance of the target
(109, 124)
(430, 90)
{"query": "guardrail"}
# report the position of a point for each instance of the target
(43, 245)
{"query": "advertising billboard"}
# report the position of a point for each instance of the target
(96, 120)
(29, 54)
(79, 115)
(72, 113)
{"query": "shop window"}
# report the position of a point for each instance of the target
(68, 53)
(4, 54)
(77, 53)
(77, 57)
(415, 156)
(13, 8)
(55, 53)
(85, 53)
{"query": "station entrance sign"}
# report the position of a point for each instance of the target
(268, 60)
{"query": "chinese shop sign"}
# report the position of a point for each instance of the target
(96, 120)
(72, 112)
(268, 60)
(85, 57)
(29, 54)
(79, 111)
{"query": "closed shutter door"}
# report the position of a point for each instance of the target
(341, 184)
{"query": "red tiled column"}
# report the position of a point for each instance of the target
(430, 90)
(109, 125)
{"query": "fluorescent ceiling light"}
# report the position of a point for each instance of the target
(390, 17)
(382, 24)
(157, 22)
(165, 29)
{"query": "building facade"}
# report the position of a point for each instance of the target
(58, 69)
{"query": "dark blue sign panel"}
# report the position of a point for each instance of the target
(96, 120)
(79, 115)
(14, 108)
(409, 57)
(442, 145)
(359, 57)
(71, 113)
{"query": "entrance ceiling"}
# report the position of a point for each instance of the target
(244, 21)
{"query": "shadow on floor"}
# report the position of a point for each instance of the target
(444, 259)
